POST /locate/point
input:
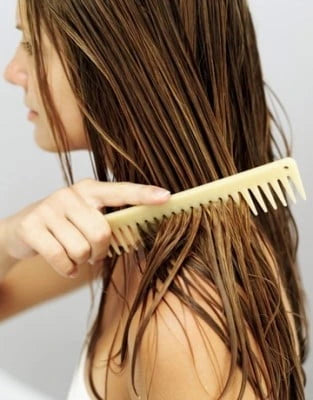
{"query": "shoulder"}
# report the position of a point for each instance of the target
(181, 356)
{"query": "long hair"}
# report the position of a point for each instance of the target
(172, 94)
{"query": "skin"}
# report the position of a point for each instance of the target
(173, 365)
(21, 71)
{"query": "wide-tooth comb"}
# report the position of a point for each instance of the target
(124, 222)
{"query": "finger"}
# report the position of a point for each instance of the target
(92, 224)
(45, 244)
(100, 194)
(73, 241)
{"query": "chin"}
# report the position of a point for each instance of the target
(49, 149)
(45, 143)
(45, 140)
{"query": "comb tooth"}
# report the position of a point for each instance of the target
(137, 235)
(278, 191)
(129, 236)
(115, 245)
(287, 186)
(121, 239)
(255, 190)
(236, 197)
(266, 189)
(296, 179)
(249, 200)
(222, 188)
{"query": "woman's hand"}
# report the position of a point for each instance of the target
(66, 228)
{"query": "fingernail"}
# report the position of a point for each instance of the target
(161, 193)
(92, 262)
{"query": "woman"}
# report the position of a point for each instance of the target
(169, 93)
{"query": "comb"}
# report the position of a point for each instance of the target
(263, 178)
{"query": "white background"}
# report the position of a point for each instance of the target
(40, 347)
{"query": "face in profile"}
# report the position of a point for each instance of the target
(21, 71)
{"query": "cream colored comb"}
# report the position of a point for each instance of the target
(124, 222)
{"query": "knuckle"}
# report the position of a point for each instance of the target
(44, 209)
(57, 257)
(81, 184)
(25, 226)
(99, 257)
(85, 181)
(22, 230)
(58, 196)
(81, 254)
(101, 236)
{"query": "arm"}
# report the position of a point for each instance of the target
(32, 281)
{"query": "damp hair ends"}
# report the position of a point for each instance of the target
(172, 94)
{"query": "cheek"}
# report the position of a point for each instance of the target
(67, 109)
(71, 119)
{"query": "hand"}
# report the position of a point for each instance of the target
(67, 228)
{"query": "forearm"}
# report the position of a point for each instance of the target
(6, 261)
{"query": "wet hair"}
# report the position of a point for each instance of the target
(172, 94)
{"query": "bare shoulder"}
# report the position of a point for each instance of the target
(181, 356)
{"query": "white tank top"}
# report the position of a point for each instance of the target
(78, 389)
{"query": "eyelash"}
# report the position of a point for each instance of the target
(28, 47)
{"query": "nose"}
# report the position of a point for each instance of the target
(16, 72)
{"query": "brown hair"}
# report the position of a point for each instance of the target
(172, 94)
